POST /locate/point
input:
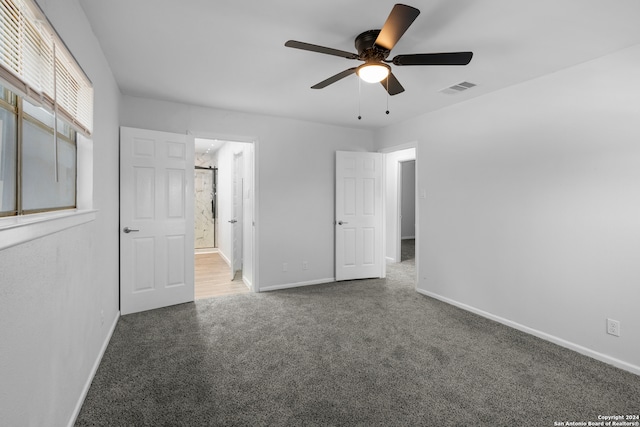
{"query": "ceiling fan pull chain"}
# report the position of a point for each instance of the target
(359, 98)
(387, 94)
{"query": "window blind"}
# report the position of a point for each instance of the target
(37, 64)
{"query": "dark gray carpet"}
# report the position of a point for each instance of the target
(368, 352)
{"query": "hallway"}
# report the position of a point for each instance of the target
(213, 277)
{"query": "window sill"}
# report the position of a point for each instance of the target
(20, 229)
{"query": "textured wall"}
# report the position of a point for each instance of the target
(59, 293)
(531, 204)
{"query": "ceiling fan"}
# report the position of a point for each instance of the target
(374, 47)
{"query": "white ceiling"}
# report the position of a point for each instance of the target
(207, 146)
(230, 54)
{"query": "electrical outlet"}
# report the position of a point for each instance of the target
(284, 266)
(613, 327)
(305, 265)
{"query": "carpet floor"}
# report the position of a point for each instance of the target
(365, 352)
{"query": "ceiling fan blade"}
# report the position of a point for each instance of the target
(392, 85)
(334, 79)
(450, 58)
(399, 20)
(320, 49)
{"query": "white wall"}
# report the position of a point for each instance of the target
(532, 211)
(392, 249)
(408, 200)
(53, 289)
(295, 181)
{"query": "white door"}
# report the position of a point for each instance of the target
(359, 247)
(237, 220)
(156, 219)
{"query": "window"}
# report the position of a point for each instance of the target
(8, 153)
(47, 165)
(46, 101)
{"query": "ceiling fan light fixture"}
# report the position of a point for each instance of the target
(373, 72)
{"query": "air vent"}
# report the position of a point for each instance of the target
(457, 88)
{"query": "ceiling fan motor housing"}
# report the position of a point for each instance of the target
(367, 49)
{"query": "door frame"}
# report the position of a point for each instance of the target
(255, 184)
(419, 196)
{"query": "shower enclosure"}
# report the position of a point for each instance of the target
(206, 222)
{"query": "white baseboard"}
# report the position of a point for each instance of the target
(298, 284)
(224, 257)
(543, 335)
(206, 251)
(247, 282)
(94, 369)
(391, 259)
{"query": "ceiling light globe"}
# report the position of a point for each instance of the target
(373, 72)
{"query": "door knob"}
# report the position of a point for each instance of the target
(342, 222)
(129, 230)
(233, 221)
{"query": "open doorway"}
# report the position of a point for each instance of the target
(400, 206)
(223, 217)
(407, 205)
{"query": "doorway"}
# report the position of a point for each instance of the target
(223, 208)
(401, 207)
(407, 206)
